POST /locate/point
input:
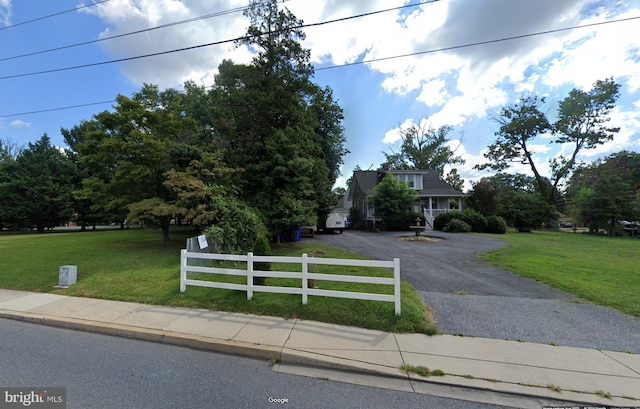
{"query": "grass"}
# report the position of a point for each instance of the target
(421, 370)
(135, 265)
(600, 269)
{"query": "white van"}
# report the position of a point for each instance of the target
(334, 222)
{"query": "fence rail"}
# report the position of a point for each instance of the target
(304, 275)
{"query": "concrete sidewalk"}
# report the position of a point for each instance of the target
(545, 373)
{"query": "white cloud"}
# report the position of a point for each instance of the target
(123, 16)
(5, 12)
(395, 134)
(20, 124)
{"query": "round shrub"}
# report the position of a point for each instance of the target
(496, 225)
(474, 219)
(457, 226)
(441, 220)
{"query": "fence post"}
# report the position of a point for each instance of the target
(396, 284)
(305, 270)
(249, 275)
(183, 270)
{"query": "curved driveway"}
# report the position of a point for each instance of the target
(473, 298)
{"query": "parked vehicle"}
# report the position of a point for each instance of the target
(335, 223)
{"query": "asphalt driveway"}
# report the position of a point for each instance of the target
(473, 298)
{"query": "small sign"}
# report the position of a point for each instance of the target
(202, 242)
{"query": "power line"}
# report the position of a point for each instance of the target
(53, 15)
(456, 47)
(317, 69)
(205, 45)
(175, 23)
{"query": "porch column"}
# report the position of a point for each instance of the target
(430, 207)
(459, 204)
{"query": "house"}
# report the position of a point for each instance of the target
(434, 194)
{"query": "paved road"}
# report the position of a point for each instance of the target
(473, 298)
(108, 372)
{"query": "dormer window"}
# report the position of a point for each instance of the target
(413, 180)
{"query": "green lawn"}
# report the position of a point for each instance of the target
(135, 265)
(603, 270)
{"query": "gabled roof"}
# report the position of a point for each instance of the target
(432, 183)
(366, 180)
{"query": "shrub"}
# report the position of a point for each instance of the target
(496, 225)
(261, 247)
(457, 226)
(474, 219)
(235, 227)
(440, 222)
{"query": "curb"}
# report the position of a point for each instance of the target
(259, 351)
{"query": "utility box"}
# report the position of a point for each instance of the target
(68, 275)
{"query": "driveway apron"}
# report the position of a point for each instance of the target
(473, 298)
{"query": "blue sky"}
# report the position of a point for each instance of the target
(460, 87)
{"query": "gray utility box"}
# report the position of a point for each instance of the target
(68, 275)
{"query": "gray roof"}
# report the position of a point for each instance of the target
(432, 183)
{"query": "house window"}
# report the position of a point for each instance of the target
(414, 181)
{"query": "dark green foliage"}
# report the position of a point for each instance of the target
(442, 219)
(474, 219)
(581, 124)
(476, 222)
(36, 187)
(457, 226)
(236, 226)
(393, 201)
(355, 217)
(261, 247)
(496, 225)
(423, 147)
(525, 211)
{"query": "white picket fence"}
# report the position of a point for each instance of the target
(304, 275)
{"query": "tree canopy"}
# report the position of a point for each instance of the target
(581, 124)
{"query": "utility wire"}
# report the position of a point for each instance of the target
(52, 15)
(456, 47)
(322, 68)
(175, 23)
(207, 44)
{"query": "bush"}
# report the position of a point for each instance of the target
(496, 225)
(474, 219)
(457, 226)
(235, 227)
(261, 247)
(440, 222)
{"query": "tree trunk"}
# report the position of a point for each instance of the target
(165, 230)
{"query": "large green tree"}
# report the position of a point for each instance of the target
(581, 124)
(393, 201)
(606, 191)
(36, 187)
(126, 153)
(423, 147)
(276, 124)
(514, 197)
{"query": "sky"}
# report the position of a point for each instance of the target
(59, 66)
